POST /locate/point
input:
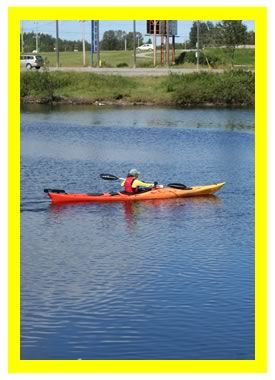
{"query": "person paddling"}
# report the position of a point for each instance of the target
(134, 185)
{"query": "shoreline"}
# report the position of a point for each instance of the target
(228, 89)
(77, 101)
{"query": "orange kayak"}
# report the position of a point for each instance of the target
(60, 196)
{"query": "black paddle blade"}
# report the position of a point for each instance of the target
(108, 177)
(54, 191)
(178, 186)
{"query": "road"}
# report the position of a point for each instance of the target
(133, 72)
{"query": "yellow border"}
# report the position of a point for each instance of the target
(138, 13)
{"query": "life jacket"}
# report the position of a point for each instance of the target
(128, 185)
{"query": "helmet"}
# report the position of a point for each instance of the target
(134, 173)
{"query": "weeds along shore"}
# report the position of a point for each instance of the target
(229, 88)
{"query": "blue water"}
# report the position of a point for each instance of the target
(167, 279)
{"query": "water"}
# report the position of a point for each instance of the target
(151, 280)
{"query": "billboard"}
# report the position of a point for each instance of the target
(161, 27)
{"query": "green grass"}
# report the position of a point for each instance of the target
(228, 88)
(116, 58)
(108, 59)
(241, 56)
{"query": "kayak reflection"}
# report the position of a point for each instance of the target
(134, 211)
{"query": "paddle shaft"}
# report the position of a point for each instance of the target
(111, 177)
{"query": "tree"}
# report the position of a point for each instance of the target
(250, 38)
(205, 34)
(113, 40)
(130, 40)
(46, 42)
(108, 41)
(232, 33)
(29, 41)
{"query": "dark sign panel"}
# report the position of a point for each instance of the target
(161, 27)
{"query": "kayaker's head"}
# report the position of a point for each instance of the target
(134, 173)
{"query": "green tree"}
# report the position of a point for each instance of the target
(113, 40)
(205, 34)
(250, 38)
(232, 33)
(29, 41)
(130, 40)
(46, 42)
(109, 40)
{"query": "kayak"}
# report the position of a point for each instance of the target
(60, 196)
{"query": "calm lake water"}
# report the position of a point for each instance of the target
(151, 280)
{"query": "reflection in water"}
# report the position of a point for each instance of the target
(160, 279)
(239, 119)
(134, 211)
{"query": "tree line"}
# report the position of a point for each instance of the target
(112, 40)
(47, 43)
(229, 33)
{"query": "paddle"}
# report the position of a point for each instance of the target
(58, 191)
(111, 177)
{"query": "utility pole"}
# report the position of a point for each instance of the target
(198, 44)
(98, 45)
(22, 38)
(134, 43)
(173, 50)
(57, 44)
(83, 43)
(36, 37)
(167, 43)
(92, 43)
(162, 49)
(155, 42)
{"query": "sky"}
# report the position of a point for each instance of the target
(73, 30)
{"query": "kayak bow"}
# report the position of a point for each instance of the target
(60, 196)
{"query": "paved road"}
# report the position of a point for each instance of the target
(132, 72)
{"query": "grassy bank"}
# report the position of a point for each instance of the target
(221, 57)
(229, 88)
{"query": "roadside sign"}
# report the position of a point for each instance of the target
(94, 44)
(161, 27)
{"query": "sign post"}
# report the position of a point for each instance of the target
(94, 41)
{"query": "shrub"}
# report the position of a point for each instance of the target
(105, 64)
(181, 58)
(123, 64)
(212, 59)
(232, 88)
(146, 64)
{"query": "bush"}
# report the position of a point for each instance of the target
(212, 59)
(205, 58)
(105, 64)
(231, 88)
(181, 58)
(146, 64)
(40, 83)
(191, 58)
(123, 64)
